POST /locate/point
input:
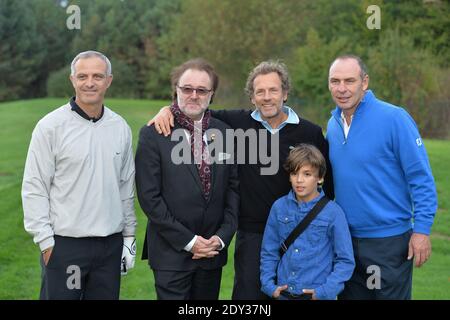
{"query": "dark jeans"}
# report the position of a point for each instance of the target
(284, 295)
(389, 256)
(83, 268)
(247, 285)
(188, 285)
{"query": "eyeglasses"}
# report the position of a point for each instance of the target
(199, 91)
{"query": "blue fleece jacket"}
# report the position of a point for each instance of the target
(382, 176)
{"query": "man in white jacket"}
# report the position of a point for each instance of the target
(77, 191)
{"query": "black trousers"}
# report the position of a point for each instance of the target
(83, 268)
(188, 285)
(389, 257)
(247, 285)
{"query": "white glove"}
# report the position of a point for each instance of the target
(128, 254)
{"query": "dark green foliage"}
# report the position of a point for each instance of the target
(21, 50)
(128, 31)
(59, 85)
(123, 84)
(408, 58)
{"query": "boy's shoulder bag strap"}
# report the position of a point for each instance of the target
(303, 225)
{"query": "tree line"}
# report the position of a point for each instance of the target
(407, 58)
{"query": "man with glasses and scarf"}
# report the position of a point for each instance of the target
(191, 205)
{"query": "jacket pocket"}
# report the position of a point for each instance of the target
(286, 224)
(317, 232)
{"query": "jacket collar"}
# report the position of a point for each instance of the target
(305, 205)
(365, 101)
(75, 107)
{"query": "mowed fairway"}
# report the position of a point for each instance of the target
(19, 256)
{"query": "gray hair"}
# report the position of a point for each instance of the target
(364, 72)
(267, 67)
(90, 54)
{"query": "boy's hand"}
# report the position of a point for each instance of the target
(312, 292)
(278, 290)
(163, 121)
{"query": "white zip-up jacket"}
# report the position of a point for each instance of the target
(79, 177)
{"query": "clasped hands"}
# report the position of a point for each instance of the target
(206, 248)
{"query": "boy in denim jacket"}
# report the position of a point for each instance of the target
(320, 260)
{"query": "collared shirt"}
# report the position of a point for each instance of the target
(75, 107)
(292, 119)
(321, 258)
(344, 123)
(191, 243)
(197, 124)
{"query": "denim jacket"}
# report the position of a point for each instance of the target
(321, 258)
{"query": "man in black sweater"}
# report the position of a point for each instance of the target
(268, 86)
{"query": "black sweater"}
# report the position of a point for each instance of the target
(258, 192)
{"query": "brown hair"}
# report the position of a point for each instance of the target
(267, 67)
(305, 154)
(195, 64)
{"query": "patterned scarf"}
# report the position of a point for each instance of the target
(198, 145)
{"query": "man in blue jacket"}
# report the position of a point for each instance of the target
(383, 182)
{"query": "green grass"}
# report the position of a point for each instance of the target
(19, 257)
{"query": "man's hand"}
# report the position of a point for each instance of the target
(204, 248)
(215, 242)
(277, 292)
(46, 254)
(128, 254)
(163, 121)
(419, 248)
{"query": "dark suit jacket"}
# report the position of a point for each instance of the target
(171, 196)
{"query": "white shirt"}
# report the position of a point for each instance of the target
(344, 123)
(191, 243)
(79, 177)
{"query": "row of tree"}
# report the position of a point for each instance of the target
(408, 57)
